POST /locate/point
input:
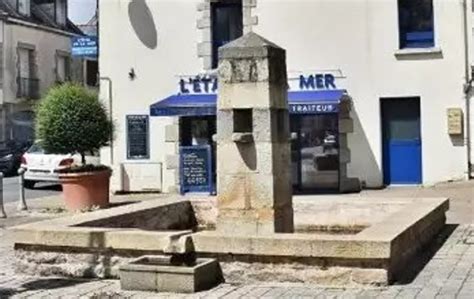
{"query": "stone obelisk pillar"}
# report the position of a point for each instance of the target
(253, 147)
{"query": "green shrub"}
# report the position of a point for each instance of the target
(70, 119)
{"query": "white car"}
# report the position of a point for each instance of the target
(41, 166)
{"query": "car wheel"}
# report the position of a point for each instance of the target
(29, 184)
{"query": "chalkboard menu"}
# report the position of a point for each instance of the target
(137, 137)
(196, 169)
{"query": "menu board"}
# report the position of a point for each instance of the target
(137, 137)
(196, 169)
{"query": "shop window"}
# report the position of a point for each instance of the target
(243, 122)
(197, 130)
(227, 25)
(416, 25)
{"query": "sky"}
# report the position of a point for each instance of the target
(81, 11)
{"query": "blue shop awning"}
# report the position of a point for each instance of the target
(185, 105)
(300, 102)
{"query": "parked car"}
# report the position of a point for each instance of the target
(10, 156)
(42, 166)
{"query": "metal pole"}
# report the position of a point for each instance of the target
(467, 86)
(21, 202)
(2, 209)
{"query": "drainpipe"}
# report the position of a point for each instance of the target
(467, 87)
(97, 7)
(110, 117)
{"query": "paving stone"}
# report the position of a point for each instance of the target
(408, 293)
(389, 293)
(276, 292)
(375, 293)
(240, 292)
(258, 292)
(428, 293)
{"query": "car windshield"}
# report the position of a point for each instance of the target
(36, 149)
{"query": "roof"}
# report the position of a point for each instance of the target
(37, 16)
(90, 28)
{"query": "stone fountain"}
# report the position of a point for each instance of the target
(254, 234)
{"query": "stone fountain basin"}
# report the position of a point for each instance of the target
(391, 232)
(158, 274)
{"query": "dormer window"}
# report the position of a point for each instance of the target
(23, 7)
(56, 9)
(61, 12)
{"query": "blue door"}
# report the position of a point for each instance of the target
(401, 141)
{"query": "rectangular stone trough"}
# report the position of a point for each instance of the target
(158, 274)
(96, 244)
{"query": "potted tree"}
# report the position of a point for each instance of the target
(71, 120)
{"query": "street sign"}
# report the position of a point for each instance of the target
(84, 46)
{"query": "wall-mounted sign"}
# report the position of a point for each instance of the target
(209, 85)
(455, 121)
(317, 81)
(84, 46)
(198, 85)
(196, 169)
(138, 146)
(313, 108)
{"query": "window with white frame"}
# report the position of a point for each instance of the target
(62, 67)
(416, 23)
(27, 82)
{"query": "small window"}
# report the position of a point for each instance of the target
(92, 70)
(23, 7)
(63, 68)
(416, 25)
(227, 25)
(243, 121)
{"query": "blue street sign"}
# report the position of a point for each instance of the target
(84, 46)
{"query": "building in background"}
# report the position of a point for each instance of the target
(403, 64)
(91, 64)
(35, 53)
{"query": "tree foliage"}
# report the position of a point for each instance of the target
(70, 119)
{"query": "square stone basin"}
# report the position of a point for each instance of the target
(158, 274)
(356, 240)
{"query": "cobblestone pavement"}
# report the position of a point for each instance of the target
(446, 270)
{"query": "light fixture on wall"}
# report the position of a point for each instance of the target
(131, 74)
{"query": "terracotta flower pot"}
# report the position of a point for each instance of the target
(85, 190)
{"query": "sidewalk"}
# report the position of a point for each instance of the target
(446, 273)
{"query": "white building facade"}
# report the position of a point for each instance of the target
(402, 67)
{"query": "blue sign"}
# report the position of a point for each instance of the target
(313, 108)
(198, 85)
(84, 46)
(196, 169)
(209, 84)
(317, 81)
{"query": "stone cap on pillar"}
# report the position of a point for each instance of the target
(251, 45)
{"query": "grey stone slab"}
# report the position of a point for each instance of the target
(408, 293)
(372, 293)
(428, 292)
(389, 293)
(258, 292)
